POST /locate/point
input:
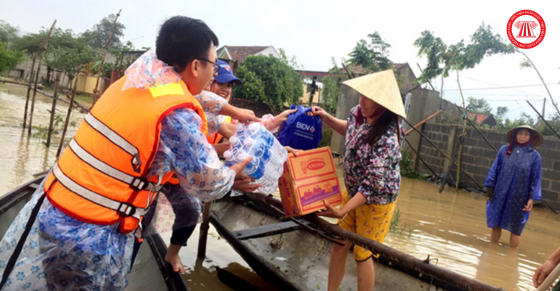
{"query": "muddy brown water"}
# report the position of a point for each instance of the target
(449, 227)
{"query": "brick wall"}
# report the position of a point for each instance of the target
(478, 156)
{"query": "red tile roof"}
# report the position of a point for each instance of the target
(479, 117)
(239, 53)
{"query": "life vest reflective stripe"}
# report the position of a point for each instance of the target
(101, 177)
(216, 137)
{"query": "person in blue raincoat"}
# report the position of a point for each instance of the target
(514, 184)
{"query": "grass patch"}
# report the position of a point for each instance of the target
(407, 170)
(396, 226)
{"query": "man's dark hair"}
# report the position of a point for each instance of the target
(182, 39)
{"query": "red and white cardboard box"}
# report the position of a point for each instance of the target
(307, 180)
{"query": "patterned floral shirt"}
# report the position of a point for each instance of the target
(372, 170)
(186, 151)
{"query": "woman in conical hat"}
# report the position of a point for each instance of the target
(371, 171)
(514, 183)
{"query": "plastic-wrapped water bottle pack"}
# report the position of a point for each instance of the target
(269, 156)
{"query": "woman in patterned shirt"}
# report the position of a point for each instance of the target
(371, 171)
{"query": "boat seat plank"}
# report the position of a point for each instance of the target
(266, 230)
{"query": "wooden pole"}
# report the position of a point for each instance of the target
(443, 153)
(29, 86)
(460, 281)
(419, 157)
(37, 76)
(477, 130)
(542, 117)
(96, 89)
(422, 122)
(543, 106)
(68, 113)
(53, 108)
(204, 227)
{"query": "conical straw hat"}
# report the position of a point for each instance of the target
(382, 88)
(537, 141)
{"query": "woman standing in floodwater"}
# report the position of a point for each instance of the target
(371, 171)
(514, 183)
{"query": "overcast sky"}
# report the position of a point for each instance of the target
(317, 31)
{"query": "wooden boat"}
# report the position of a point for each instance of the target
(293, 254)
(144, 275)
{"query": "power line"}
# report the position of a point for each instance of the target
(498, 88)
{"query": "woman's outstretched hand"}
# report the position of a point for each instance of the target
(331, 211)
(318, 111)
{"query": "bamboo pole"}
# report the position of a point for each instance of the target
(443, 153)
(53, 108)
(29, 86)
(350, 74)
(446, 173)
(425, 268)
(204, 227)
(462, 137)
(477, 130)
(542, 117)
(37, 76)
(422, 71)
(545, 86)
(422, 122)
(68, 114)
(420, 158)
(549, 281)
(96, 89)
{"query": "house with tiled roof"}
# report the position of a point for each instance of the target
(480, 119)
(238, 54)
(407, 79)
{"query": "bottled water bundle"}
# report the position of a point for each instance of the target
(269, 156)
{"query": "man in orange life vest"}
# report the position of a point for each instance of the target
(146, 127)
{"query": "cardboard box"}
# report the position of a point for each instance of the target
(307, 180)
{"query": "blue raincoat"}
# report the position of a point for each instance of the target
(515, 179)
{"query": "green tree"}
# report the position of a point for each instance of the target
(331, 88)
(443, 58)
(98, 35)
(269, 80)
(478, 105)
(372, 56)
(8, 33)
(8, 58)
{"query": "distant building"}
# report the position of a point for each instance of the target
(238, 54)
(480, 119)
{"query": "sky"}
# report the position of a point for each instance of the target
(315, 32)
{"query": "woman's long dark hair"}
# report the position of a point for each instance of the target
(380, 126)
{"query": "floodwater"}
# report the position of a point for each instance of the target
(22, 155)
(449, 227)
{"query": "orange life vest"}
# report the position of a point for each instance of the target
(101, 177)
(216, 138)
(212, 139)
